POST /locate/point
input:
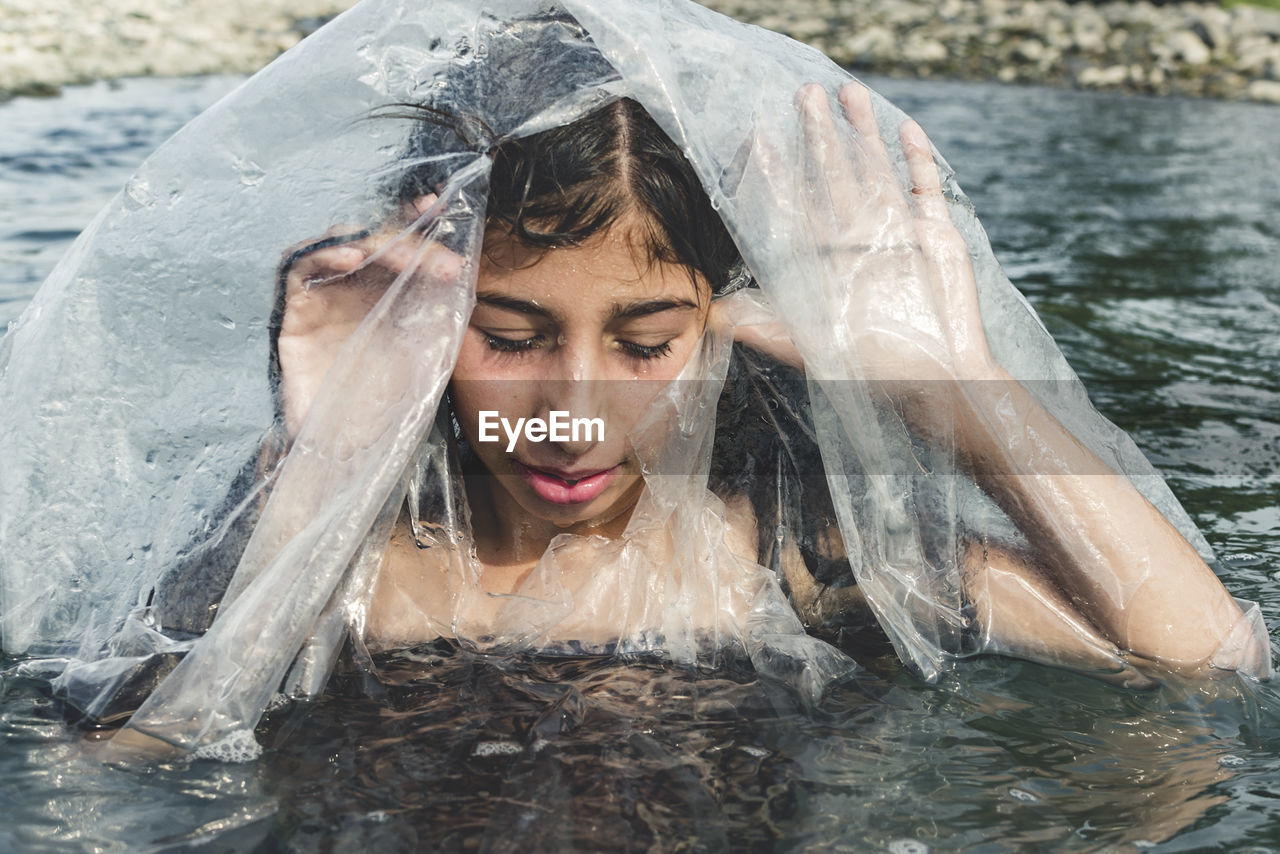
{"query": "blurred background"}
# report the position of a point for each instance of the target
(1221, 48)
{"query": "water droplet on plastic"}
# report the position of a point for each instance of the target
(137, 194)
(251, 174)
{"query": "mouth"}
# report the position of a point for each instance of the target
(561, 487)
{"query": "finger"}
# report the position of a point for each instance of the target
(304, 262)
(443, 264)
(418, 213)
(408, 253)
(860, 112)
(415, 249)
(342, 233)
(879, 177)
(404, 246)
(765, 159)
(822, 140)
(926, 185)
(321, 266)
(424, 204)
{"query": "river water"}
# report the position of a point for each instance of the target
(1146, 233)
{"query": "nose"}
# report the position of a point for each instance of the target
(580, 390)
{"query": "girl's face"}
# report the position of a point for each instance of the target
(586, 334)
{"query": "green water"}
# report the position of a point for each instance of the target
(1146, 233)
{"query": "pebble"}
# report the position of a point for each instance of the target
(1186, 48)
(1266, 91)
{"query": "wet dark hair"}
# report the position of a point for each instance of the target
(560, 187)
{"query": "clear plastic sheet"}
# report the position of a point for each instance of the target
(891, 477)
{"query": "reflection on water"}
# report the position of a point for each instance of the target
(579, 754)
(457, 751)
(1144, 231)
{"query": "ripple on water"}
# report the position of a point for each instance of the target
(1149, 252)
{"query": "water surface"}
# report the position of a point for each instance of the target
(1146, 233)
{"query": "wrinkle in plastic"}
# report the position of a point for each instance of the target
(136, 386)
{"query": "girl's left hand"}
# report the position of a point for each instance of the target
(906, 290)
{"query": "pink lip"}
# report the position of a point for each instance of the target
(556, 487)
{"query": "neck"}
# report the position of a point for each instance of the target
(509, 536)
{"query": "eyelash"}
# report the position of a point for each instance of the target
(640, 351)
(522, 345)
(509, 345)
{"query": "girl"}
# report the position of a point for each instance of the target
(603, 267)
(806, 364)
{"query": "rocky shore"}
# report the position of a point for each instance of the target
(1198, 49)
(1193, 49)
(47, 44)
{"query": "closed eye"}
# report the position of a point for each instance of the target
(513, 345)
(642, 351)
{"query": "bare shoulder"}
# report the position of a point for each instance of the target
(411, 601)
(741, 532)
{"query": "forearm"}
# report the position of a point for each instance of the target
(1115, 556)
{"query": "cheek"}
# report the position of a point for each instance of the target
(685, 347)
(631, 399)
(480, 384)
(474, 359)
(466, 410)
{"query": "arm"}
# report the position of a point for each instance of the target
(1107, 562)
(1112, 554)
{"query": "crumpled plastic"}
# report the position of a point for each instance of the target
(135, 505)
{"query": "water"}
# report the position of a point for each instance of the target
(1146, 234)
(61, 159)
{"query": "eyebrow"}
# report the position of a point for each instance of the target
(513, 304)
(620, 311)
(644, 308)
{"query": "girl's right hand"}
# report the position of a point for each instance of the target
(330, 286)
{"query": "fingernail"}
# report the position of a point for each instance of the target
(807, 99)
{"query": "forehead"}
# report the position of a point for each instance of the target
(613, 266)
